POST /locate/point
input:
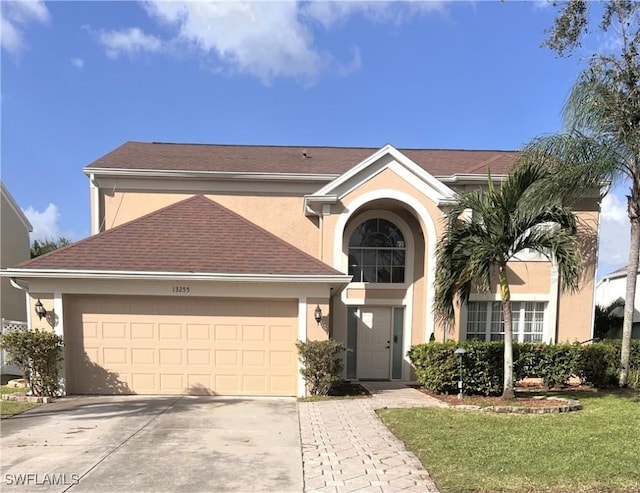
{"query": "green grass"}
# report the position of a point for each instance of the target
(593, 450)
(11, 408)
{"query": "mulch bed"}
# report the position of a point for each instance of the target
(483, 401)
(348, 389)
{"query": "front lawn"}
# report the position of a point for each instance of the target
(593, 450)
(11, 408)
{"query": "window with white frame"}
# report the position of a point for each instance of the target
(485, 321)
(377, 252)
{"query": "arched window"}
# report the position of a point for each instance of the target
(377, 252)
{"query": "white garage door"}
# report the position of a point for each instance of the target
(157, 345)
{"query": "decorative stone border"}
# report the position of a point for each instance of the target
(27, 398)
(569, 405)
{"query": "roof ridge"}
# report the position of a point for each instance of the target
(315, 146)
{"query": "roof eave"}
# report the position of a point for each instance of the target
(175, 276)
(216, 175)
(461, 178)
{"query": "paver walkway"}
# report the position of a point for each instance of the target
(347, 448)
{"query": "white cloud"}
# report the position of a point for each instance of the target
(77, 62)
(267, 40)
(614, 209)
(329, 13)
(129, 41)
(614, 234)
(15, 16)
(45, 223)
(542, 4)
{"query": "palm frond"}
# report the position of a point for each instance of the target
(573, 165)
(503, 222)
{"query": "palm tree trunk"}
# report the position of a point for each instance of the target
(505, 293)
(632, 275)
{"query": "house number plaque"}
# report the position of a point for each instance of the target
(181, 289)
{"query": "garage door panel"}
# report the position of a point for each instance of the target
(198, 357)
(225, 358)
(254, 383)
(198, 332)
(225, 333)
(140, 330)
(172, 383)
(253, 333)
(144, 383)
(280, 333)
(114, 330)
(227, 383)
(253, 358)
(112, 356)
(151, 353)
(170, 331)
(142, 356)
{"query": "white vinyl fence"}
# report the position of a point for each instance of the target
(9, 326)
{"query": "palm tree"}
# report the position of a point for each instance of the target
(601, 145)
(602, 116)
(476, 247)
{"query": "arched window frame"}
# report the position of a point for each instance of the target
(404, 230)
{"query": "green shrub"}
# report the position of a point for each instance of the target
(598, 364)
(558, 362)
(436, 365)
(37, 353)
(321, 367)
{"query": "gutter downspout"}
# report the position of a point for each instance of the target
(17, 285)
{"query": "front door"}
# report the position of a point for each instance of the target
(374, 343)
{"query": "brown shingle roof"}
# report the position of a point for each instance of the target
(196, 235)
(287, 159)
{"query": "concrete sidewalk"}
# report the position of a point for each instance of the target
(347, 448)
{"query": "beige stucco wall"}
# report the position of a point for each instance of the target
(575, 310)
(281, 215)
(315, 331)
(14, 249)
(47, 302)
(526, 278)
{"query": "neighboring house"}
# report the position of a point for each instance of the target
(14, 249)
(612, 287)
(208, 262)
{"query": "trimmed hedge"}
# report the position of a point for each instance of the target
(37, 353)
(321, 366)
(437, 366)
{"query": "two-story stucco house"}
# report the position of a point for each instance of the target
(207, 262)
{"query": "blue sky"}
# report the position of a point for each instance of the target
(80, 78)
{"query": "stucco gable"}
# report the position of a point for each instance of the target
(387, 157)
(15, 207)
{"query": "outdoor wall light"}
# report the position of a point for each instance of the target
(317, 314)
(460, 352)
(40, 310)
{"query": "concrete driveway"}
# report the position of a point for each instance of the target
(153, 444)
